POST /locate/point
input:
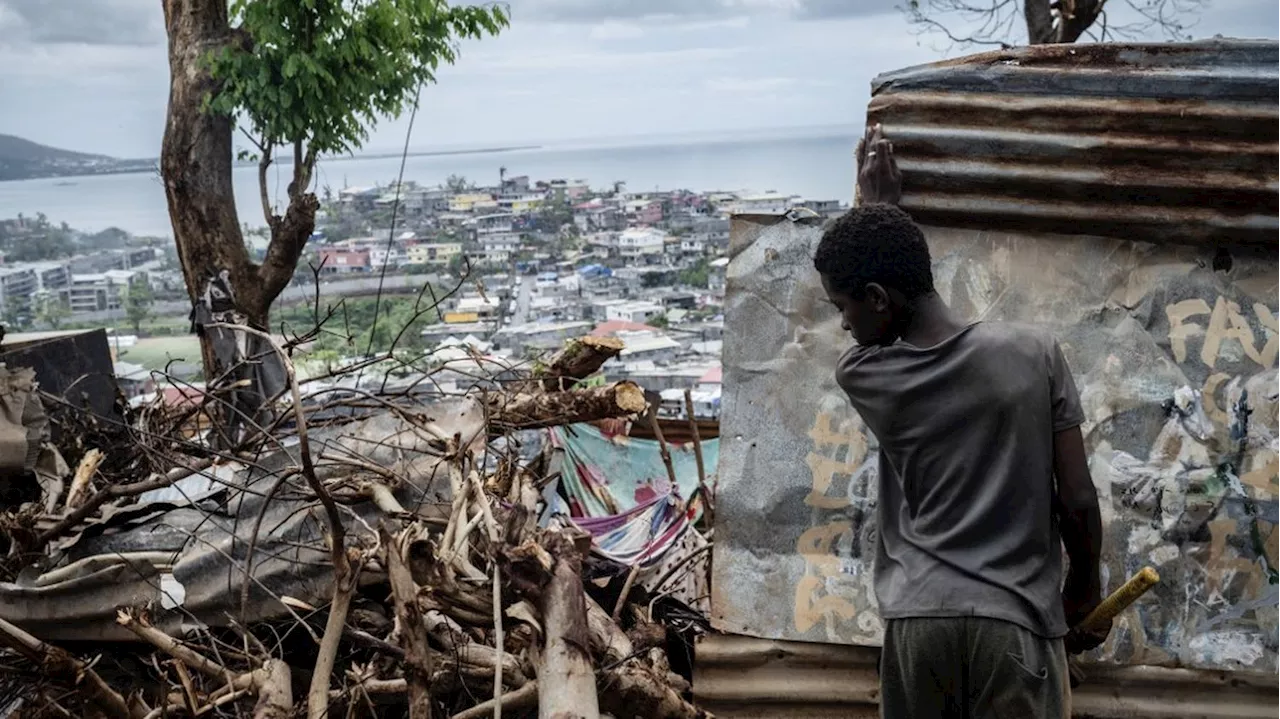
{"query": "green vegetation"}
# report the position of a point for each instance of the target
(351, 331)
(138, 300)
(696, 275)
(155, 353)
(52, 312)
(320, 71)
(26, 239)
(458, 184)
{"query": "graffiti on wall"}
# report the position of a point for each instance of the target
(1176, 365)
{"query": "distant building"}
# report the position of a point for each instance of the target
(539, 336)
(471, 201)
(497, 248)
(640, 242)
(112, 260)
(644, 212)
(433, 253)
(772, 203)
(693, 245)
(496, 222)
(133, 379)
(519, 203)
(343, 260)
(102, 291)
(359, 198)
(633, 311)
(17, 284)
(649, 345)
(480, 308)
(516, 185)
(826, 208)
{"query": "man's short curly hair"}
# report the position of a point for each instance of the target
(875, 243)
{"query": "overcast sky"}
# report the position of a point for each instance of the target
(92, 75)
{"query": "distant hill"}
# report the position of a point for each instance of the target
(23, 160)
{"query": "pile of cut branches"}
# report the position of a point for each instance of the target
(466, 607)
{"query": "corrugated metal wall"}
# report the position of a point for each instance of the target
(1086, 189)
(1173, 142)
(745, 678)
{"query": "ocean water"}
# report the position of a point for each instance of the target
(814, 162)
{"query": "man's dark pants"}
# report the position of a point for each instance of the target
(971, 668)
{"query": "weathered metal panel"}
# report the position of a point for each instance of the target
(1189, 487)
(1166, 143)
(738, 677)
(1065, 157)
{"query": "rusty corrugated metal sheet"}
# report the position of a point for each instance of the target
(1168, 143)
(738, 677)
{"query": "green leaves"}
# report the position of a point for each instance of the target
(322, 72)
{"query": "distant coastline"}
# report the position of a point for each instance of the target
(127, 167)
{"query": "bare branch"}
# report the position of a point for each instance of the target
(264, 162)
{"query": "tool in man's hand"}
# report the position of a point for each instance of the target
(1110, 608)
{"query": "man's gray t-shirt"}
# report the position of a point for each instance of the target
(966, 518)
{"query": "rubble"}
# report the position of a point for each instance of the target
(399, 558)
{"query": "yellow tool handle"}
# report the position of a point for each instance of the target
(1120, 599)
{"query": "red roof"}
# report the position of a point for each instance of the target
(712, 376)
(613, 327)
(181, 396)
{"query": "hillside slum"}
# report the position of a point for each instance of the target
(536, 545)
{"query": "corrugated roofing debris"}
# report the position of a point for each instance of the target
(737, 677)
(1166, 143)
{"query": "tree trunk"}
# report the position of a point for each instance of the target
(1077, 16)
(196, 165)
(566, 679)
(1074, 17)
(534, 411)
(224, 284)
(195, 157)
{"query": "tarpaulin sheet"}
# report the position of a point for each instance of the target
(618, 490)
(1176, 365)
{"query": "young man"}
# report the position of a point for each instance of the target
(983, 477)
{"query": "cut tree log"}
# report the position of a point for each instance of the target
(635, 690)
(566, 679)
(56, 664)
(413, 630)
(553, 409)
(607, 638)
(275, 691)
(579, 359)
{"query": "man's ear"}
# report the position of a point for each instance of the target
(878, 297)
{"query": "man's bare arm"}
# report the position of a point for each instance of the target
(1080, 520)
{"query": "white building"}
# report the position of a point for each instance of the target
(482, 306)
(17, 284)
(640, 312)
(103, 290)
(771, 203)
(641, 242)
(382, 256)
(499, 246)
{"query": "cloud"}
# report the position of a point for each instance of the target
(838, 9)
(675, 11)
(91, 22)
